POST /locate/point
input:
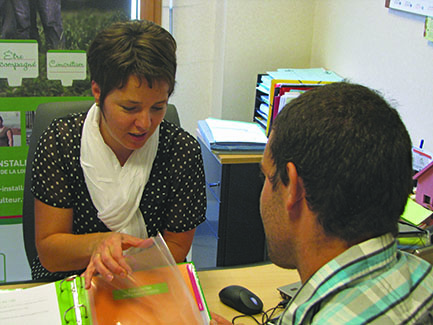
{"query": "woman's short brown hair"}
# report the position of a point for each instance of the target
(132, 48)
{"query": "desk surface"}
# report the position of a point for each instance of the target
(238, 158)
(263, 280)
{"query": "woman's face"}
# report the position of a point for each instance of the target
(131, 115)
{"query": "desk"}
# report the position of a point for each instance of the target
(262, 280)
(233, 231)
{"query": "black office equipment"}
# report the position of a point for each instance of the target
(241, 299)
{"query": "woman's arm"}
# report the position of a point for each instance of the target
(10, 137)
(179, 243)
(60, 250)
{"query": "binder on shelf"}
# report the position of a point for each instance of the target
(303, 79)
(157, 292)
(227, 135)
(283, 95)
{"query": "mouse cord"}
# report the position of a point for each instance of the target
(266, 317)
(243, 315)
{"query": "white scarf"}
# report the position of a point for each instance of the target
(116, 191)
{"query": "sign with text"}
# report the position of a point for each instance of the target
(419, 7)
(18, 60)
(12, 171)
(66, 66)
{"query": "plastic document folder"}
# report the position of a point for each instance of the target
(232, 135)
(157, 292)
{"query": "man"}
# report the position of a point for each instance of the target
(338, 172)
(51, 17)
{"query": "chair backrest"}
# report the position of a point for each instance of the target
(45, 114)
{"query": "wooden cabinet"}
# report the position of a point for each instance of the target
(233, 232)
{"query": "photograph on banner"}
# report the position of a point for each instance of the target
(10, 129)
(30, 120)
(52, 37)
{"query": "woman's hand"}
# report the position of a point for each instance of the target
(107, 257)
(218, 320)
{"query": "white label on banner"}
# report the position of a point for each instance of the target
(66, 66)
(18, 60)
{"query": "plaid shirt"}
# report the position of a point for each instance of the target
(371, 282)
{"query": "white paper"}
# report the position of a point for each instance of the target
(236, 132)
(37, 305)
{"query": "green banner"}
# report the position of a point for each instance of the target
(17, 116)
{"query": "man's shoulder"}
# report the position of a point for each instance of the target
(403, 292)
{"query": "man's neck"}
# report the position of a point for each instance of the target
(317, 252)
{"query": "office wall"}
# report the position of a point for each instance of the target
(194, 31)
(224, 44)
(381, 48)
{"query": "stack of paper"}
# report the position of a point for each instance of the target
(305, 75)
(226, 135)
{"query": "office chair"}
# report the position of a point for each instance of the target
(45, 114)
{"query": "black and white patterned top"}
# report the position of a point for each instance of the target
(173, 199)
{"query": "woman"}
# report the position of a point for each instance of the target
(6, 136)
(105, 180)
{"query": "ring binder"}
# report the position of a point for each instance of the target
(69, 278)
(157, 292)
(77, 315)
(73, 297)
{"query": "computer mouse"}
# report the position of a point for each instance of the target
(241, 299)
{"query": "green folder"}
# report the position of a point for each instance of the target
(415, 213)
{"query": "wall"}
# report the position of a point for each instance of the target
(383, 49)
(262, 36)
(224, 44)
(194, 31)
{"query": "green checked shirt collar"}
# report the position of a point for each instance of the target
(369, 282)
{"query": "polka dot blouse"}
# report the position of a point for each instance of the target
(173, 199)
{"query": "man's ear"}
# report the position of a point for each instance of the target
(295, 186)
(96, 91)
